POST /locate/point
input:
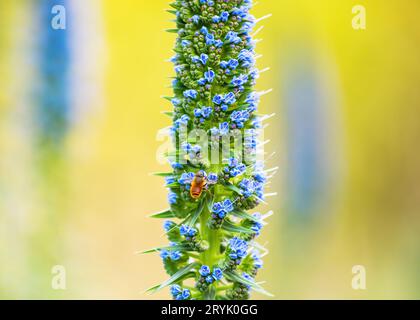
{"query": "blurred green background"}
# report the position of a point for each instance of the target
(80, 109)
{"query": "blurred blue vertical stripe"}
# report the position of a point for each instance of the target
(53, 105)
(306, 122)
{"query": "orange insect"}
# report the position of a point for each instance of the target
(198, 184)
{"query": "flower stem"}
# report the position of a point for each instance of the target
(210, 256)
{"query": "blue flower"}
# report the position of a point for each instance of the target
(224, 128)
(233, 64)
(164, 254)
(197, 113)
(210, 39)
(247, 277)
(229, 98)
(217, 274)
(224, 16)
(204, 30)
(209, 76)
(183, 120)
(241, 12)
(172, 197)
(195, 59)
(195, 19)
(202, 81)
(175, 83)
(186, 178)
(175, 255)
(215, 19)
(218, 43)
(185, 43)
(212, 178)
(195, 152)
(185, 294)
(209, 279)
(176, 102)
(250, 140)
(240, 80)
(239, 117)
(224, 64)
(176, 290)
(232, 37)
(187, 231)
(247, 187)
(247, 58)
(260, 177)
(256, 227)
(223, 208)
(168, 225)
(191, 94)
(233, 162)
(258, 263)
(218, 99)
(204, 270)
(214, 132)
(176, 165)
(204, 58)
(169, 180)
(238, 248)
(207, 111)
(175, 58)
(180, 294)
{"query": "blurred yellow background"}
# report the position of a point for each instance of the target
(80, 109)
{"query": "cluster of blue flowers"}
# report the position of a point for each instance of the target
(170, 254)
(221, 209)
(180, 294)
(222, 102)
(234, 168)
(188, 232)
(213, 91)
(257, 225)
(237, 248)
(239, 117)
(203, 113)
(222, 130)
(207, 277)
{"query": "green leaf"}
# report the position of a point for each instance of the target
(231, 227)
(233, 276)
(210, 201)
(210, 293)
(233, 188)
(194, 217)
(174, 5)
(180, 274)
(180, 247)
(244, 215)
(169, 113)
(165, 214)
(172, 30)
(171, 267)
(163, 174)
